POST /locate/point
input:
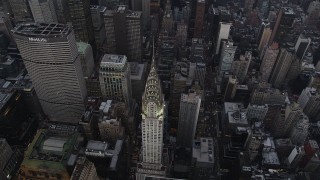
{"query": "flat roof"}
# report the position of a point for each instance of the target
(42, 29)
(38, 156)
(96, 146)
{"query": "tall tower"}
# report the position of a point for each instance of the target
(123, 32)
(281, 68)
(268, 61)
(200, 10)
(188, 118)
(114, 76)
(80, 17)
(43, 11)
(152, 126)
(57, 77)
(224, 30)
(21, 10)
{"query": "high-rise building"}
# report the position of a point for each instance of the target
(240, 66)
(231, 88)
(98, 25)
(153, 114)
(81, 20)
(5, 27)
(188, 118)
(84, 170)
(203, 158)
(265, 31)
(62, 11)
(282, 66)
(167, 22)
(21, 10)
(223, 33)
(283, 24)
(199, 20)
(182, 33)
(43, 11)
(309, 101)
(302, 46)
(86, 58)
(313, 13)
(228, 51)
(268, 61)
(146, 12)
(270, 96)
(123, 31)
(57, 77)
(300, 131)
(288, 119)
(136, 5)
(114, 76)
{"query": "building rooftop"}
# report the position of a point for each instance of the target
(111, 60)
(96, 146)
(50, 150)
(42, 30)
(137, 70)
(232, 107)
(270, 158)
(203, 150)
(238, 117)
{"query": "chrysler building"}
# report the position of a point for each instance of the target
(152, 126)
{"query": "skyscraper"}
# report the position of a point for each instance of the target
(240, 67)
(281, 67)
(98, 25)
(268, 61)
(123, 30)
(302, 46)
(56, 76)
(43, 11)
(21, 10)
(188, 118)
(153, 109)
(146, 12)
(62, 10)
(265, 31)
(227, 56)
(114, 76)
(86, 58)
(80, 17)
(198, 24)
(288, 119)
(224, 29)
(309, 101)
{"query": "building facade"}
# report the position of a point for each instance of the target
(188, 118)
(223, 33)
(309, 101)
(123, 32)
(81, 20)
(56, 76)
(114, 77)
(43, 11)
(153, 109)
(268, 61)
(282, 66)
(199, 20)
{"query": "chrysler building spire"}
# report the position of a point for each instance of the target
(152, 125)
